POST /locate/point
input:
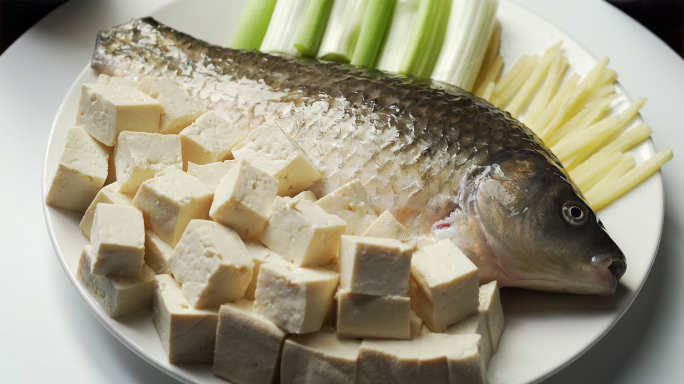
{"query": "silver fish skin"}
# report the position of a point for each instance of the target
(446, 163)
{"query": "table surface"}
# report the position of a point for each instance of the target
(47, 334)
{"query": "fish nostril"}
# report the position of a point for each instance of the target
(618, 268)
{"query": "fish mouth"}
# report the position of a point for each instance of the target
(610, 268)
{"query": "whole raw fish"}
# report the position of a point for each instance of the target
(446, 163)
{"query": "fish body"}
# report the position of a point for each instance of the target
(446, 163)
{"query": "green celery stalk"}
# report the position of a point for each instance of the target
(376, 17)
(282, 30)
(470, 27)
(342, 31)
(253, 24)
(313, 25)
(427, 36)
(398, 33)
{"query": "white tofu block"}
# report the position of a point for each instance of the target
(382, 317)
(212, 173)
(351, 203)
(113, 80)
(473, 325)
(416, 324)
(307, 195)
(107, 110)
(389, 361)
(108, 195)
(118, 241)
(319, 357)
(212, 264)
(260, 254)
(140, 155)
(209, 139)
(387, 227)
(374, 266)
(452, 359)
(118, 296)
(490, 306)
(270, 149)
(295, 298)
(444, 285)
(248, 347)
(80, 172)
(170, 200)
(313, 235)
(157, 253)
(243, 199)
(111, 169)
(187, 334)
(178, 107)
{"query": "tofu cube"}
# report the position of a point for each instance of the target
(261, 255)
(178, 107)
(444, 285)
(243, 199)
(170, 200)
(270, 149)
(111, 169)
(139, 156)
(248, 347)
(113, 80)
(295, 298)
(387, 227)
(382, 317)
(374, 266)
(80, 172)
(157, 253)
(314, 235)
(118, 241)
(187, 334)
(210, 174)
(351, 203)
(490, 306)
(119, 296)
(319, 357)
(474, 325)
(209, 139)
(107, 110)
(452, 359)
(108, 195)
(212, 264)
(388, 361)
(307, 195)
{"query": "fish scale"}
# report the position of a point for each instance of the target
(436, 131)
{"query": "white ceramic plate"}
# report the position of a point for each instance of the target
(544, 331)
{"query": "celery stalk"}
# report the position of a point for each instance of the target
(253, 24)
(342, 31)
(311, 30)
(427, 36)
(282, 30)
(376, 17)
(399, 32)
(470, 27)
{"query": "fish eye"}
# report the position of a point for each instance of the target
(575, 213)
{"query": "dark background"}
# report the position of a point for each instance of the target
(665, 18)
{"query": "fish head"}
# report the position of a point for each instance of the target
(527, 225)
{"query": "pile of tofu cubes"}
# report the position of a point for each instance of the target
(215, 230)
